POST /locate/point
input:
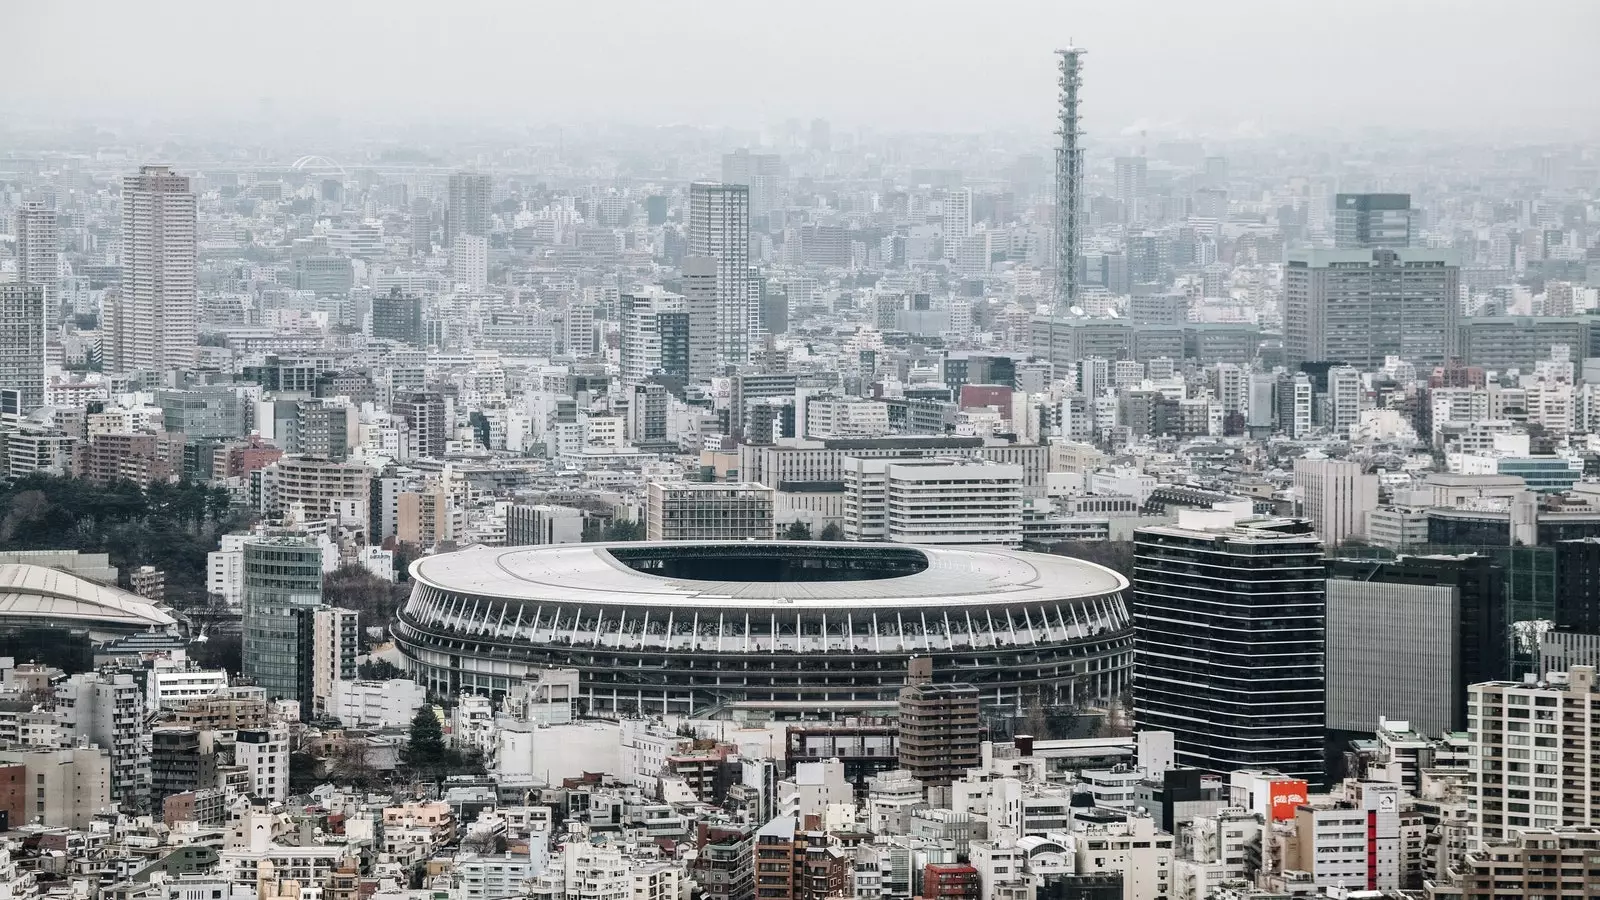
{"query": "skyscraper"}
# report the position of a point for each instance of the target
(22, 309)
(1366, 221)
(1228, 615)
(467, 211)
(39, 249)
(1360, 306)
(719, 228)
(152, 322)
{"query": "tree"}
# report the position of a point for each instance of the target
(379, 670)
(624, 530)
(425, 750)
(797, 531)
(832, 532)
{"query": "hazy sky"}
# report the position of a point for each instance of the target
(902, 64)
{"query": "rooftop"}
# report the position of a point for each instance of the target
(771, 575)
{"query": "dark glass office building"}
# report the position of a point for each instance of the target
(1229, 629)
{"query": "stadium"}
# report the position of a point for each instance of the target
(789, 628)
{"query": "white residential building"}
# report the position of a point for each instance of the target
(1528, 772)
(264, 754)
(383, 704)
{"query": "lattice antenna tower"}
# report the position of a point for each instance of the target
(1069, 189)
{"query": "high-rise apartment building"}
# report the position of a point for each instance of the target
(39, 249)
(22, 318)
(108, 710)
(469, 262)
(655, 334)
(1336, 495)
(1228, 615)
(467, 206)
(1537, 763)
(281, 576)
(1359, 307)
(1368, 221)
(957, 215)
(719, 228)
(425, 413)
(330, 642)
(398, 317)
(152, 321)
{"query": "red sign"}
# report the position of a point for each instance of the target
(1286, 795)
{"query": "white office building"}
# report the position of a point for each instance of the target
(1336, 495)
(933, 501)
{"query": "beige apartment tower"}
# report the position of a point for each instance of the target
(152, 321)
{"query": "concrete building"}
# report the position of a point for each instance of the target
(264, 755)
(940, 734)
(331, 640)
(1353, 845)
(61, 788)
(152, 320)
(1359, 307)
(1336, 495)
(107, 710)
(540, 523)
(1531, 773)
(22, 324)
(320, 487)
(1229, 616)
(719, 228)
(1536, 862)
(933, 501)
(695, 511)
(379, 704)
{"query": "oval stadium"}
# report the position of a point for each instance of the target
(707, 628)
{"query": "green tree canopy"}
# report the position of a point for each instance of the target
(425, 749)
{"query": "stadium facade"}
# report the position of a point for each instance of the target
(708, 628)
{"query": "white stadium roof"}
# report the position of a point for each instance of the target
(40, 593)
(588, 573)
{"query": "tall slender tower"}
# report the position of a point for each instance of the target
(1069, 180)
(153, 323)
(719, 228)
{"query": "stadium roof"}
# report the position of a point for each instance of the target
(40, 593)
(589, 573)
